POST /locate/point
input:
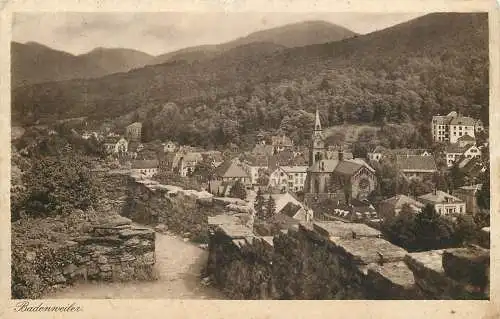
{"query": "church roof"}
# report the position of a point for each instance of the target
(324, 166)
(348, 167)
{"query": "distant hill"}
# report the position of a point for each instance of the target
(290, 35)
(36, 63)
(435, 63)
(114, 60)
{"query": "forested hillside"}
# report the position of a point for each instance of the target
(290, 36)
(407, 73)
(36, 63)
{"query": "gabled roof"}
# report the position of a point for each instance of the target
(290, 209)
(440, 197)
(347, 168)
(144, 164)
(294, 169)
(399, 200)
(230, 169)
(465, 138)
(457, 149)
(416, 163)
(463, 120)
(135, 124)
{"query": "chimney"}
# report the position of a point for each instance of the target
(353, 233)
(341, 155)
(435, 191)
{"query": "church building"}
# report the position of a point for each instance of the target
(336, 177)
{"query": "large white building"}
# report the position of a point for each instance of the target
(451, 127)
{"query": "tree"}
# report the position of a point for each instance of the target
(238, 190)
(456, 177)
(465, 230)
(433, 231)
(270, 207)
(56, 184)
(483, 196)
(259, 204)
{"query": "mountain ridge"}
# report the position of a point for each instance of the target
(438, 67)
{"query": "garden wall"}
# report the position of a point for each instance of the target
(335, 260)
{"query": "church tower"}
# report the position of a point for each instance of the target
(317, 151)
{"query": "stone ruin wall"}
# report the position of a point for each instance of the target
(181, 211)
(117, 251)
(335, 260)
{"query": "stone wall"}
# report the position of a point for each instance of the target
(116, 251)
(183, 212)
(335, 260)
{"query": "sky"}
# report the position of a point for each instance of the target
(161, 32)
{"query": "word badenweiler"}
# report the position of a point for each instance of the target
(26, 306)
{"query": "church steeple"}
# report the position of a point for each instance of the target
(317, 123)
(317, 151)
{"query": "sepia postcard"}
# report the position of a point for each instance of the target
(226, 159)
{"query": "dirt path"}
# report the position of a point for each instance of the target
(178, 264)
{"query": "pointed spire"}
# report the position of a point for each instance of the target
(317, 124)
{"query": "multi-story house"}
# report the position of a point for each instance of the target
(451, 127)
(444, 203)
(133, 132)
(187, 163)
(288, 178)
(115, 145)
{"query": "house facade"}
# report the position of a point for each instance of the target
(288, 178)
(115, 145)
(444, 203)
(133, 132)
(451, 127)
(146, 168)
